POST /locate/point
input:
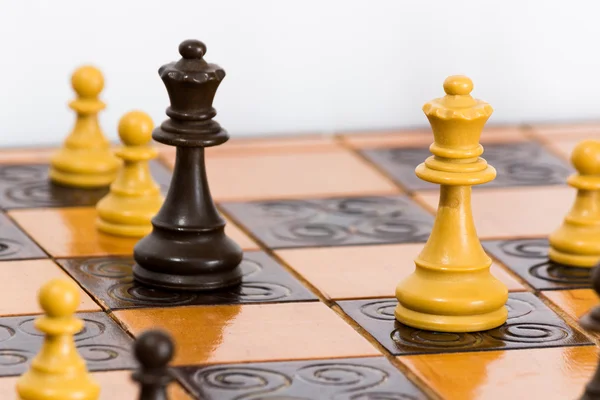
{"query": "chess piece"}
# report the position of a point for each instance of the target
(591, 322)
(85, 160)
(153, 350)
(58, 372)
(134, 196)
(576, 242)
(188, 248)
(452, 289)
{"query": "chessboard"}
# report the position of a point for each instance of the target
(329, 224)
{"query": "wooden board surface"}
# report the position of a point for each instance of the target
(329, 225)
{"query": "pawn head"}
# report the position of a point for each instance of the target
(87, 81)
(135, 128)
(154, 349)
(59, 298)
(586, 157)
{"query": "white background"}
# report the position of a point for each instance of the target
(300, 66)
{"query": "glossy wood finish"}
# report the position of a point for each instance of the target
(517, 164)
(528, 258)
(576, 303)
(114, 385)
(361, 378)
(514, 212)
(411, 138)
(71, 232)
(272, 175)
(530, 324)
(549, 374)
(110, 281)
(20, 299)
(252, 332)
(102, 343)
(364, 271)
(260, 333)
(333, 221)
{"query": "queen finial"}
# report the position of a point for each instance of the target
(192, 49)
(458, 85)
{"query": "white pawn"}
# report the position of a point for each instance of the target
(134, 197)
(58, 372)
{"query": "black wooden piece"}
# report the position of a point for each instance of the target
(591, 322)
(187, 248)
(153, 350)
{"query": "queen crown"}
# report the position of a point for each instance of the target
(191, 83)
(457, 120)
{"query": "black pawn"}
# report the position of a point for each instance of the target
(591, 322)
(153, 350)
(187, 248)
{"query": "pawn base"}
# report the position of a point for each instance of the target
(451, 323)
(128, 216)
(134, 231)
(576, 243)
(572, 259)
(35, 385)
(84, 181)
(84, 168)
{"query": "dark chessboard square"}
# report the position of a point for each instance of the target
(517, 164)
(16, 245)
(334, 221)
(528, 258)
(109, 279)
(530, 324)
(102, 344)
(348, 378)
(28, 186)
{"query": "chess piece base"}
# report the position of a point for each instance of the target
(205, 281)
(84, 169)
(128, 216)
(575, 245)
(36, 386)
(133, 231)
(467, 300)
(573, 260)
(80, 180)
(206, 260)
(451, 323)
